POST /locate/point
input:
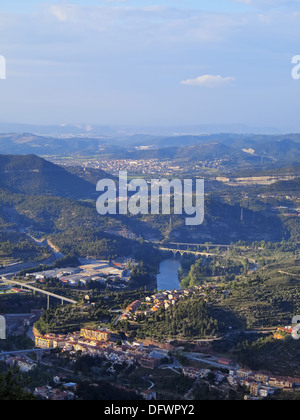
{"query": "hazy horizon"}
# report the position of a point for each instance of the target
(132, 129)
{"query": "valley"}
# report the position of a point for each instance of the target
(238, 271)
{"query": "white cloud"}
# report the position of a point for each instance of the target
(59, 13)
(209, 81)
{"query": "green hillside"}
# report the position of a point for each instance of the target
(285, 186)
(29, 174)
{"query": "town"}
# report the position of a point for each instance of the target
(149, 203)
(145, 167)
(219, 372)
(118, 350)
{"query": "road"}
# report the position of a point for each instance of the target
(23, 352)
(16, 268)
(35, 289)
(209, 360)
(150, 382)
(289, 274)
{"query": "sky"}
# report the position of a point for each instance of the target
(154, 63)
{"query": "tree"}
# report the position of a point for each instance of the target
(12, 387)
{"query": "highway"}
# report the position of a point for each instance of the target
(16, 268)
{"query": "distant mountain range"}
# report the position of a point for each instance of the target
(27, 143)
(58, 130)
(104, 130)
(244, 151)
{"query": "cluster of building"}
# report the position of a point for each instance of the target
(152, 304)
(89, 342)
(61, 392)
(259, 384)
(98, 271)
(164, 299)
(23, 363)
(67, 392)
(76, 341)
(100, 343)
(140, 166)
(281, 332)
(150, 166)
(259, 180)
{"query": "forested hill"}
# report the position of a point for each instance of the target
(34, 194)
(32, 175)
(285, 186)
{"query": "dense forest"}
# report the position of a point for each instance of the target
(33, 175)
(213, 267)
(189, 318)
(23, 250)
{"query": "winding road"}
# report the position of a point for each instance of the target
(16, 268)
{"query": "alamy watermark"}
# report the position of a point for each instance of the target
(2, 67)
(156, 197)
(296, 329)
(296, 68)
(2, 328)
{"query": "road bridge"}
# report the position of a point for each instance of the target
(35, 289)
(181, 252)
(187, 245)
(38, 352)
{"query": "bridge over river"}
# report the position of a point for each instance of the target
(192, 248)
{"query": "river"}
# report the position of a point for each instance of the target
(168, 279)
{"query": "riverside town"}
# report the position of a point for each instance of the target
(149, 203)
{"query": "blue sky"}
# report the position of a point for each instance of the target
(212, 5)
(139, 62)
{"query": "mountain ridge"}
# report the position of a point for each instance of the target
(32, 175)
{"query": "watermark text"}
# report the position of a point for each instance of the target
(2, 328)
(296, 68)
(2, 67)
(160, 196)
(296, 329)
